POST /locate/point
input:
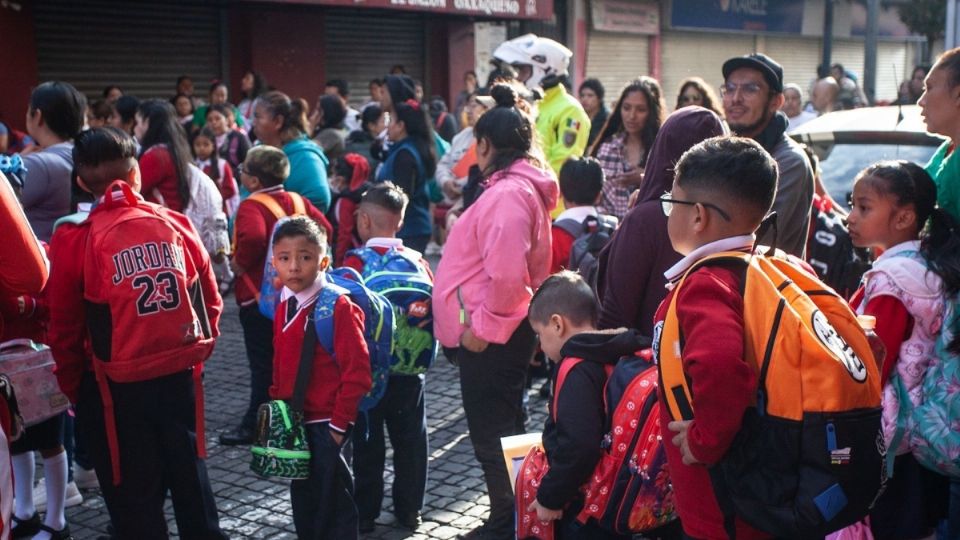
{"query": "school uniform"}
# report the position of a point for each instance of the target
(402, 410)
(323, 505)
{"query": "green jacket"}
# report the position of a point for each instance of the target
(945, 171)
(563, 125)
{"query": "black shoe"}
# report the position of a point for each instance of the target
(409, 520)
(366, 526)
(480, 533)
(26, 528)
(62, 534)
(239, 436)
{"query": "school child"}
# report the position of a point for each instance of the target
(581, 186)
(134, 310)
(350, 180)
(263, 174)
(207, 159)
(232, 144)
(564, 313)
(323, 505)
(722, 190)
(894, 209)
(402, 408)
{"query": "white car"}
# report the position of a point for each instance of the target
(848, 141)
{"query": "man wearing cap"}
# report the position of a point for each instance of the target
(752, 98)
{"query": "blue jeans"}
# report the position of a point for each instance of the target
(403, 413)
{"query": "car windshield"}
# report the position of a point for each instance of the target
(844, 161)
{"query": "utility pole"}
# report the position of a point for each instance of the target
(827, 35)
(870, 51)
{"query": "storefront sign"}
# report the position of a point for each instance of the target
(625, 16)
(507, 9)
(781, 16)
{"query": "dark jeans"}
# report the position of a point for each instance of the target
(158, 452)
(492, 384)
(323, 506)
(258, 339)
(402, 411)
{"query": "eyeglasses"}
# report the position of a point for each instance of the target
(666, 204)
(748, 89)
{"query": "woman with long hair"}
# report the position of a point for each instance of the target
(496, 256)
(252, 85)
(696, 91)
(281, 122)
(625, 141)
(165, 155)
(410, 163)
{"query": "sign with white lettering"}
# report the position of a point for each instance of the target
(625, 16)
(508, 9)
(780, 16)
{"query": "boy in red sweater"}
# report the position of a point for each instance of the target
(581, 184)
(723, 188)
(262, 173)
(401, 408)
(323, 505)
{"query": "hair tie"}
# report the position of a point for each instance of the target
(413, 104)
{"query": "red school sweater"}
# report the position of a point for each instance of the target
(560, 252)
(336, 385)
(158, 177)
(252, 228)
(710, 314)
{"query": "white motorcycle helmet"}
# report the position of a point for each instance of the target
(546, 58)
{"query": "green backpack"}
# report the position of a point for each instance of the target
(280, 447)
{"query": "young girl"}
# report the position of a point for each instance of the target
(232, 145)
(894, 209)
(206, 158)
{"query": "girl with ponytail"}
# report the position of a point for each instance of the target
(497, 254)
(894, 209)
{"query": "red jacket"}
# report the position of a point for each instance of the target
(23, 263)
(158, 175)
(562, 244)
(710, 314)
(252, 228)
(336, 385)
(894, 326)
(68, 330)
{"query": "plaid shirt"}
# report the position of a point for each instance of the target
(613, 161)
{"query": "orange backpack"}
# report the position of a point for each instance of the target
(809, 457)
(139, 278)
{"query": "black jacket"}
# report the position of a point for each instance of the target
(572, 443)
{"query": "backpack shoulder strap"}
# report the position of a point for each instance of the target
(564, 369)
(305, 369)
(270, 203)
(299, 207)
(323, 314)
(673, 381)
(571, 226)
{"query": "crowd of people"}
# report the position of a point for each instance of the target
(569, 231)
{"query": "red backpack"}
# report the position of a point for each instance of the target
(140, 278)
(629, 491)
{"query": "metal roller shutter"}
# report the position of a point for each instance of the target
(140, 47)
(694, 54)
(353, 56)
(894, 60)
(799, 58)
(616, 59)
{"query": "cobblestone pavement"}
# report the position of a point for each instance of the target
(253, 507)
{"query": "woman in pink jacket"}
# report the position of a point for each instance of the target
(496, 256)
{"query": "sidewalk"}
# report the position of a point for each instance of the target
(253, 507)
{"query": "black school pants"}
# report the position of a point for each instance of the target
(158, 453)
(258, 340)
(403, 412)
(323, 507)
(492, 384)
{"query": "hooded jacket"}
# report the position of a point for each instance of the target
(308, 172)
(572, 441)
(496, 256)
(630, 278)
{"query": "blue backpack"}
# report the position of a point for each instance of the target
(400, 277)
(378, 326)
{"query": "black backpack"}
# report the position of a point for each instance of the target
(831, 253)
(590, 235)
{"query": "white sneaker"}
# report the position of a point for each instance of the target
(40, 496)
(85, 478)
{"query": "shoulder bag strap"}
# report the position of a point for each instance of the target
(305, 368)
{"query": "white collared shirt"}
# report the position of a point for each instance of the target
(732, 243)
(577, 213)
(306, 297)
(384, 242)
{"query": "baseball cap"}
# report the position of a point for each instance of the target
(772, 71)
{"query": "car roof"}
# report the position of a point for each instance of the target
(868, 125)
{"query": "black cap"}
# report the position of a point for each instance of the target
(772, 71)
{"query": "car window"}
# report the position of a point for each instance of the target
(841, 165)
